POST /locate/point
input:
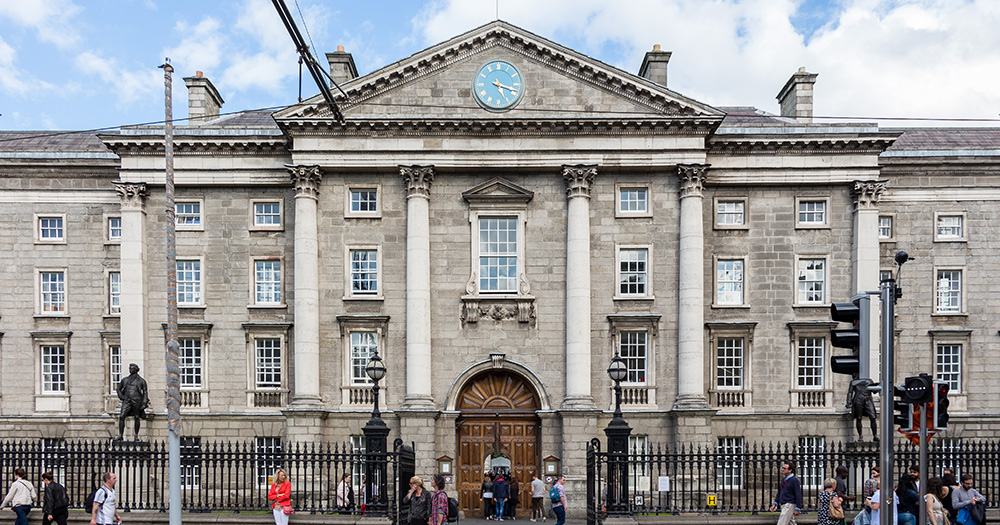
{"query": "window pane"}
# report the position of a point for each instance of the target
(632, 348)
(190, 458)
(885, 227)
(114, 228)
(115, 292)
(50, 228)
(188, 282)
(632, 200)
(267, 282)
(188, 213)
(810, 469)
(949, 227)
(115, 367)
(810, 362)
(364, 200)
(498, 254)
(364, 272)
(730, 469)
(267, 214)
(53, 286)
(730, 213)
(632, 273)
(729, 282)
(949, 291)
(811, 281)
(363, 346)
(268, 362)
(190, 363)
(812, 212)
(269, 458)
(949, 365)
(53, 369)
(729, 370)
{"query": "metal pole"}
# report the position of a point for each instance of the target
(173, 369)
(888, 299)
(923, 464)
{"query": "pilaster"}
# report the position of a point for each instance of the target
(134, 291)
(579, 180)
(865, 257)
(306, 180)
(691, 293)
(418, 181)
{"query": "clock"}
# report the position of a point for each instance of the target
(498, 85)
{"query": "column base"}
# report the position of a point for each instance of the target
(578, 402)
(689, 402)
(306, 403)
(418, 402)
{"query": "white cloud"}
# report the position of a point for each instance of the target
(14, 81)
(201, 47)
(52, 19)
(129, 87)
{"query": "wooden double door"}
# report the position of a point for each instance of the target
(497, 419)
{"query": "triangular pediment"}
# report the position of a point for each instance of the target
(559, 83)
(498, 190)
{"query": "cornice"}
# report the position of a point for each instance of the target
(799, 146)
(499, 128)
(140, 146)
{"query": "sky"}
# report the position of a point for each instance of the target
(89, 64)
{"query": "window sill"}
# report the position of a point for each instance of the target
(730, 306)
(112, 316)
(634, 298)
(363, 216)
(947, 315)
(266, 306)
(61, 242)
(191, 306)
(267, 229)
(812, 227)
(112, 243)
(887, 241)
(935, 240)
(735, 227)
(60, 315)
(621, 215)
(364, 298)
(817, 305)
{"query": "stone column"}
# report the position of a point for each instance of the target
(418, 181)
(865, 263)
(691, 292)
(579, 180)
(133, 272)
(306, 180)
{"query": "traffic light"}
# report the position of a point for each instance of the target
(919, 389)
(902, 411)
(856, 338)
(941, 403)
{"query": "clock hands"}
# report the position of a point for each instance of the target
(501, 87)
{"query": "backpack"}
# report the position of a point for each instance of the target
(554, 494)
(452, 510)
(88, 504)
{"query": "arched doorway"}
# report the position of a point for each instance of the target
(497, 419)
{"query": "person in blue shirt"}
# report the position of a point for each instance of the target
(789, 498)
(500, 494)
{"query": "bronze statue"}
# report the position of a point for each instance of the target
(859, 400)
(135, 400)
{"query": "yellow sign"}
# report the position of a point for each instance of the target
(712, 501)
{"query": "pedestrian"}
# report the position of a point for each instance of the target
(876, 504)
(486, 490)
(537, 493)
(909, 500)
(914, 471)
(20, 497)
(965, 497)
(419, 500)
(842, 485)
(950, 486)
(513, 499)
(56, 505)
(828, 498)
(105, 510)
(501, 492)
(345, 494)
(559, 507)
(280, 497)
(871, 484)
(789, 498)
(934, 500)
(439, 502)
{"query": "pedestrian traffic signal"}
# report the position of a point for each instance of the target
(919, 389)
(902, 410)
(856, 338)
(941, 403)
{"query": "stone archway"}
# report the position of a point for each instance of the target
(497, 416)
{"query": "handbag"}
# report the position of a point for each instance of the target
(287, 509)
(836, 511)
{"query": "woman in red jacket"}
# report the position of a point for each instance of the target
(280, 497)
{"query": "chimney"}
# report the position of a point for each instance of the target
(341, 66)
(654, 65)
(796, 98)
(204, 100)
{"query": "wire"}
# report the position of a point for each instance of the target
(299, 9)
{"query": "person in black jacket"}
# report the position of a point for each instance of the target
(56, 506)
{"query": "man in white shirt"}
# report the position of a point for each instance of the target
(876, 504)
(105, 511)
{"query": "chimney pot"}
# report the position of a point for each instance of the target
(796, 98)
(340, 49)
(198, 74)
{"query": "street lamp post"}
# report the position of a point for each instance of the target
(618, 432)
(376, 434)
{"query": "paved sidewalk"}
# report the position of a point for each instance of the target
(518, 521)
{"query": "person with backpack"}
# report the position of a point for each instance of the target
(20, 497)
(103, 510)
(56, 506)
(439, 502)
(558, 497)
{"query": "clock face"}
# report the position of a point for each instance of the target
(497, 86)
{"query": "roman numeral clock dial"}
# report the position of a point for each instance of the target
(498, 86)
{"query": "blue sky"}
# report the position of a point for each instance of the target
(83, 64)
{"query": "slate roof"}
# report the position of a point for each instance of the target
(85, 142)
(946, 139)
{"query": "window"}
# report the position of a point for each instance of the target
(190, 462)
(357, 467)
(363, 346)
(633, 272)
(638, 465)
(885, 227)
(633, 350)
(729, 363)
(811, 282)
(114, 229)
(948, 365)
(364, 272)
(269, 458)
(53, 369)
(810, 362)
(114, 367)
(498, 253)
(812, 212)
(949, 292)
(190, 363)
(267, 282)
(730, 213)
(54, 458)
(187, 215)
(266, 215)
(810, 467)
(633, 201)
(188, 282)
(363, 202)
(267, 364)
(52, 285)
(114, 293)
(729, 471)
(50, 229)
(949, 227)
(729, 282)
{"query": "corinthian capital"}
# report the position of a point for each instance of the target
(132, 194)
(867, 193)
(579, 179)
(418, 180)
(692, 178)
(306, 179)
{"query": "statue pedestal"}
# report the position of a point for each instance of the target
(132, 462)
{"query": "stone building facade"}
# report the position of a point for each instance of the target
(495, 259)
